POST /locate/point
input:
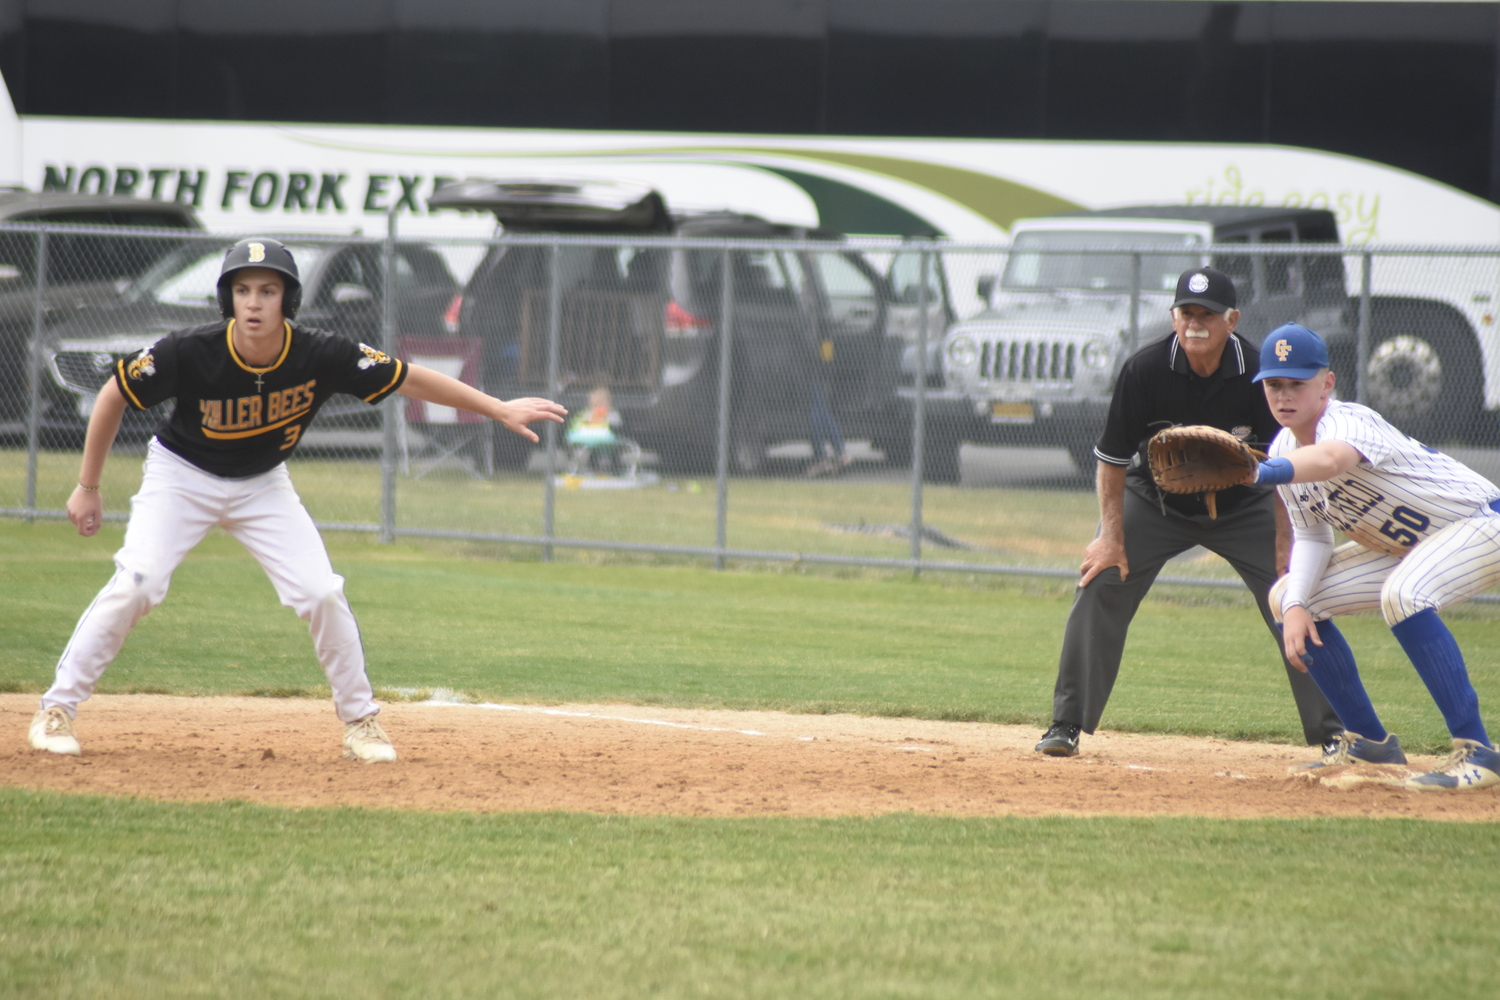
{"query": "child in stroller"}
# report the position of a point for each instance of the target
(595, 444)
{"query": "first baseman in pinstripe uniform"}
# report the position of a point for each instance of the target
(1425, 535)
(245, 390)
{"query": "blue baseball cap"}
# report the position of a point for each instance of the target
(1292, 351)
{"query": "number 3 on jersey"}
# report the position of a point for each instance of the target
(294, 431)
(1412, 525)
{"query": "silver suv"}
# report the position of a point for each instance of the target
(1081, 292)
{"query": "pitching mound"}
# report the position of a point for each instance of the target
(655, 761)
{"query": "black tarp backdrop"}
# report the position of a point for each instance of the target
(1409, 84)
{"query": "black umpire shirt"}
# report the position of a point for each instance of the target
(1157, 388)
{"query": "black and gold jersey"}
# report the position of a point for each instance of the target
(237, 420)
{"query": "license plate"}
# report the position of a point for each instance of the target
(1012, 413)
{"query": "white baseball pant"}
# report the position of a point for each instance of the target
(177, 505)
(1449, 567)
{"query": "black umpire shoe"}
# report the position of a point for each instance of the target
(1061, 740)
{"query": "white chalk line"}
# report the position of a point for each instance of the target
(444, 696)
(533, 710)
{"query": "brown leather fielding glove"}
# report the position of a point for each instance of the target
(1199, 459)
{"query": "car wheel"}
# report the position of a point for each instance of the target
(940, 457)
(1087, 462)
(683, 458)
(747, 447)
(1422, 372)
(512, 452)
(894, 442)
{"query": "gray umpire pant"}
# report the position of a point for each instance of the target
(1094, 639)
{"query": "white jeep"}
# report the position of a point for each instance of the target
(1081, 292)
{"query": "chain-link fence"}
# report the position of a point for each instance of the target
(839, 401)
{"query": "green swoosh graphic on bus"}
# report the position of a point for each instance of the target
(1000, 201)
(995, 198)
(847, 208)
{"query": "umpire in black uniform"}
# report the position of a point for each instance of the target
(1199, 375)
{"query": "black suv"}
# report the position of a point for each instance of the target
(85, 265)
(642, 320)
(342, 286)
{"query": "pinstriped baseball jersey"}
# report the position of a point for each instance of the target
(1400, 493)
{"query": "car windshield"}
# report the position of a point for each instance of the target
(762, 275)
(1096, 271)
(190, 276)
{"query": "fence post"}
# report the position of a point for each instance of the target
(721, 468)
(919, 416)
(34, 376)
(1135, 303)
(390, 414)
(554, 351)
(1362, 335)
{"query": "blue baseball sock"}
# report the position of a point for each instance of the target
(1332, 667)
(1434, 652)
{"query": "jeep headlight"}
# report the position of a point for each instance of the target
(962, 352)
(1095, 354)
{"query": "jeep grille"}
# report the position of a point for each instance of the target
(1026, 360)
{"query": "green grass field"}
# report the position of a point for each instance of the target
(441, 614)
(130, 899)
(122, 898)
(1009, 526)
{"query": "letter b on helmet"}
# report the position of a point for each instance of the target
(266, 253)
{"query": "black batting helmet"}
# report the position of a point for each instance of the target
(271, 254)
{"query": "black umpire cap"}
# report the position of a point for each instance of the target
(258, 251)
(1205, 287)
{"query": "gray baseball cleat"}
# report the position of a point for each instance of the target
(1352, 748)
(52, 730)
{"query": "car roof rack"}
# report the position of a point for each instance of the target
(586, 206)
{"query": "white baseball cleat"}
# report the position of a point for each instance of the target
(365, 741)
(52, 730)
(1471, 765)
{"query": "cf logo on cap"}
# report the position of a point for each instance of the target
(257, 252)
(1198, 284)
(1282, 350)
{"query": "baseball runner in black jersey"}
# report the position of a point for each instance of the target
(245, 393)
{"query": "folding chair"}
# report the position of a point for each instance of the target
(447, 430)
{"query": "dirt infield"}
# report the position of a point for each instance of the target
(653, 761)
